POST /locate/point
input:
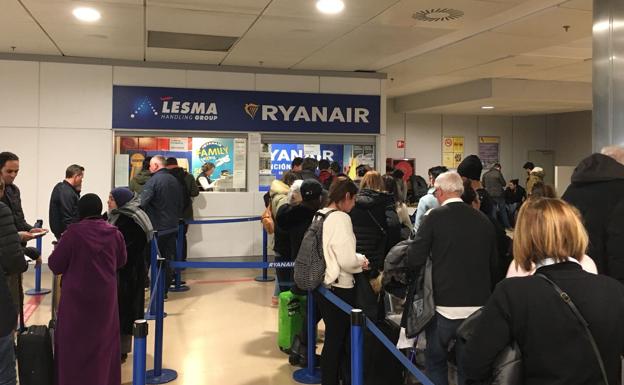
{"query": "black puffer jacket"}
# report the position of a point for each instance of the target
(597, 190)
(376, 226)
(11, 262)
(295, 220)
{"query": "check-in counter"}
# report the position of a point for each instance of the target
(242, 239)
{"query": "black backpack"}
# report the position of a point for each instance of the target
(310, 261)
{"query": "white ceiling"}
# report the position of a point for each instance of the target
(516, 39)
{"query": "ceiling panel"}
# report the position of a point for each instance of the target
(582, 69)
(198, 22)
(586, 5)
(508, 107)
(513, 67)
(356, 11)
(360, 49)
(183, 56)
(549, 24)
(284, 41)
(118, 34)
(394, 88)
(401, 13)
(18, 30)
(252, 7)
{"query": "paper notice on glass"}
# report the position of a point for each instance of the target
(312, 150)
(255, 143)
(178, 144)
(240, 163)
(122, 170)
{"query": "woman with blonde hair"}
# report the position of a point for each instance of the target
(375, 221)
(556, 347)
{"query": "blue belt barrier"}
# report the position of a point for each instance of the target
(212, 221)
(233, 265)
(380, 336)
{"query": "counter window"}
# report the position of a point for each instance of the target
(228, 155)
(276, 158)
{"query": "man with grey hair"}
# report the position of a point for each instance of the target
(64, 200)
(461, 243)
(162, 199)
(597, 191)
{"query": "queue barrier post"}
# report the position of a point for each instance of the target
(178, 286)
(310, 374)
(158, 375)
(39, 244)
(264, 277)
(140, 332)
(357, 346)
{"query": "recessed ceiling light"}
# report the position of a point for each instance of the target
(487, 107)
(86, 14)
(330, 6)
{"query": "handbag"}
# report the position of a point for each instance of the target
(365, 298)
(267, 220)
(421, 307)
(568, 301)
(507, 366)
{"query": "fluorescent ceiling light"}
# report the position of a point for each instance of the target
(487, 107)
(330, 6)
(86, 14)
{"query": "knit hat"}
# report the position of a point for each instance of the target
(90, 205)
(122, 195)
(310, 189)
(470, 167)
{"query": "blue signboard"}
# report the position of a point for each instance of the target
(282, 155)
(219, 110)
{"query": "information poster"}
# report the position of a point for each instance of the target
(219, 151)
(489, 150)
(452, 151)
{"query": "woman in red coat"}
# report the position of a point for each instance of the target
(86, 341)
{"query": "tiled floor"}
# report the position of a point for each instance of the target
(221, 332)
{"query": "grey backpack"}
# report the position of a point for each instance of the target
(310, 261)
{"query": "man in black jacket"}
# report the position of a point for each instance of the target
(9, 168)
(11, 263)
(189, 190)
(462, 246)
(597, 190)
(64, 200)
(161, 199)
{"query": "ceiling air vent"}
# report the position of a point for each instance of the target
(158, 39)
(438, 14)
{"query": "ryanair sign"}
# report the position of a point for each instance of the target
(218, 110)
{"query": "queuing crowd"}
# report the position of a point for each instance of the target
(508, 264)
(98, 257)
(473, 229)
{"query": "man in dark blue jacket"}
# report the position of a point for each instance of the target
(11, 263)
(162, 199)
(64, 200)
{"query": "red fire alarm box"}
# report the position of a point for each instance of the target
(400, 144)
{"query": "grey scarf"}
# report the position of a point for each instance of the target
(132, 210)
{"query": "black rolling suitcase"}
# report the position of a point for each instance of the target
(35, 361)
(34, 356)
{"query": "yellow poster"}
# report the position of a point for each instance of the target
(452, 151)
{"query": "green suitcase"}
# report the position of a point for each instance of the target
(291, 314)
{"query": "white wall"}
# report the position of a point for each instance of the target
(569, 135)
(56, 114)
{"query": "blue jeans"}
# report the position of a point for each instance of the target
(440, 332)
(7, 361)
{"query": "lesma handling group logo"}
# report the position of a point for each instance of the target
(172, 109)
(307, 114)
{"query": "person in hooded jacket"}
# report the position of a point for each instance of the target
(139, 180)
(597, 191)
(11, 262)
(134, 224)
(278, 193)
(375, 221)
(471, 168)
(536, 175)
